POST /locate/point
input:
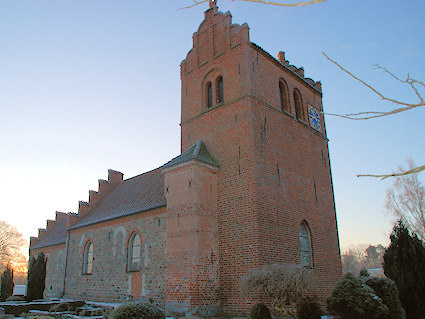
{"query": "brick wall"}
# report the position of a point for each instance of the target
(274, 169)
(192, 247)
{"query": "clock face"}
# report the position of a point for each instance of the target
(314, 118)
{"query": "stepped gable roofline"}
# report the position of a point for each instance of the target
(55, 236)
(198, 152)
(140, 193)
(211, 16)
(288, 67)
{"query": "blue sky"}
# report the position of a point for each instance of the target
(91, 85)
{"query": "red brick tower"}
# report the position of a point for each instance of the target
(261, 119)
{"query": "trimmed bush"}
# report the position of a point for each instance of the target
(137, 310)
(286, 284)
(309, 309)
(386, 289)
(352, 299)
(259, 311)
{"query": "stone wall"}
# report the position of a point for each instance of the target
(55, 269)
(110, 280)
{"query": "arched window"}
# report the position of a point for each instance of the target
(134, 252)
(209, 94)
(88, 259)
(220, 93)
(284, 98)
(305, 246)
(299, 112)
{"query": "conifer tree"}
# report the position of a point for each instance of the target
(404, 262)
(36, 277)
(7, 284)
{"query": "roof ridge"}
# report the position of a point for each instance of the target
(197, 148)
(197, 151)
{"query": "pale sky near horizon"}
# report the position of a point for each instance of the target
(90, 85)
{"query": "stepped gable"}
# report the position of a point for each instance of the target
(54, 236)
(198, 152)
(217, 31)
(134, 195)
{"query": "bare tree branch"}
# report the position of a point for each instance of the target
(195, 3)
(404, 106)
(372, 114)
(384, 176)
(297, 4)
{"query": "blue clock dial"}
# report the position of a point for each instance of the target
(314, 118)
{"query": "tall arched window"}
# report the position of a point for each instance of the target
(306, 256)
(284, 98)
(299, 112)
(220, 93)
(209, 94)
(88, 259)
(134, 252)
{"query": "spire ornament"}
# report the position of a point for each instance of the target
(213, 3)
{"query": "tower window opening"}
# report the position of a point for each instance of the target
(209, 95)
(220, 94)
(299, 112)
(284, 100)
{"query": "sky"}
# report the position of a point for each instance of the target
(87, 86)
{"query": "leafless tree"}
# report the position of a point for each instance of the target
(362, 256)
(406, 201)
(353, 259)
(285, 284)
(11, 245)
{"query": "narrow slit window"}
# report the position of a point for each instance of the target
(298, 105)
(284, 100)
(220, 93)
(209, 95)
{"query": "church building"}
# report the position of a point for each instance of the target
(252, 186)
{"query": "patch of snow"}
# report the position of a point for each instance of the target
(104, 304)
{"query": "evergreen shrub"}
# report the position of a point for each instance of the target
(351, 298)
(386, 289)
(137, 310)
(259, 311)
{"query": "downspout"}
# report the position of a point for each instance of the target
(66, 262)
